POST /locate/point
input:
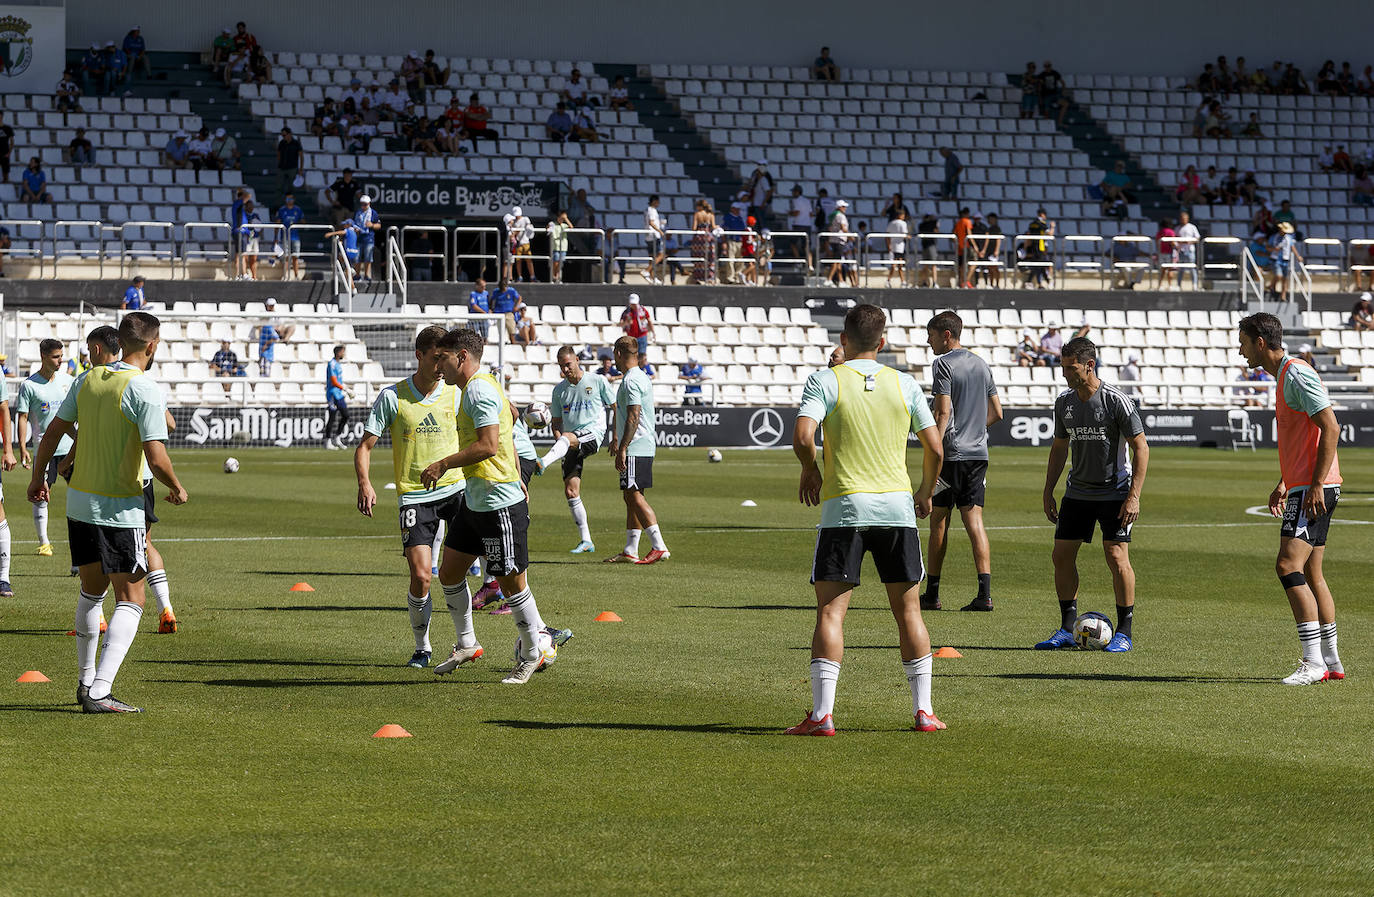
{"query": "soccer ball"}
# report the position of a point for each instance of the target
(231, 465)
(714, 456)
(537, 416)
(1092, 631)
(548, 653)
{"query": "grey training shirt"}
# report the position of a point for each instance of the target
(967, 380)
(1098, 431)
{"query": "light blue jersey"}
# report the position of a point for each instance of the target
(524, 446)
(819, 396)
(581, 406)
(40, 398)
(485, 406)
(636, 389)
(333, 380)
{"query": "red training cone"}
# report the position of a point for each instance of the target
(607, 616)
(391, 730)
(33, 676)
(302, 587)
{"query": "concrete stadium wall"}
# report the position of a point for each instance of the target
(1166, 37)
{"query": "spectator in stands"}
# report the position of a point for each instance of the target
(1051, 343)
(559, 126)
(1126, 272)
(894, 206)
(926, 274)
(503, 303)
(449, 136)
(1189, 190)
(1252, 127)
(1026, 352)
(1362, 314)
(1189, 240)
(1116, 188)
(1214, 125)
(989, 249)
(241, 196)
(133, 297)
(35, 183)
(900, 229)
(763, 256)
(842, 247)
(269, 333)
(80, 151)
(1207, 81)
(703, 245)
(1362, 187)
(1242, 80)
(244, 42)
(1293, 83)
(1211, 185)
(479, 303)
(1249, 188)
(524, 324)
(1166, 251)
(1230, 187)
(198, 151)
(620, 97)
(176, 153)
(343, 196)
(136, 52)
(608, 369)
(1340, 159)
(68, 97)
(1305, 353)
(221, 48)
(694, 376)
(734, 225)
(251, 235)
(582, 215)
(368, 224)
(1256, 396)
(1129, 374)
(558, 244)
(259, 66)
(6, 148)
(477, 124)
(1284, 251)
(1030, 91)
(1326, 79)
(5, 243)
(413, 76)
(422, 133)
(394, 101)
(225, 150)
(1039, 250)
(1286, 213)
(93, 71)
(431, 73)
(963, 228)
(823, 68)
(325, 122)
(1053, 100)
(225, 363)
(574, 91)
(636, 321)
(949, 187)
(116, 66)
(1365, 85)
(1326, 159)
(584, 126)
(519, 233)
(801, 217)
(288, 216)
(760, 189)
(654, 241)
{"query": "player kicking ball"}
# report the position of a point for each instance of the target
(420, 413)
(1306, 495)
(579, 405)
(632, 444)
(867, 507)
(493, 515)
(1095, 424)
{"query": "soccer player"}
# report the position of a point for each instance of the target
(579, 403)
(493, 514)
(7, 462)
(334, 392)
(120, 408)
(420, 412)
(867, 506)
(1094, 424)
(632, 445)
(1306, 496)
(39, 397)
(966, 404)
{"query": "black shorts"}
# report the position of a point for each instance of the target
(118, 549)
(52, 469)
(1297, 525)
(638, 473)
(420, 522)
(527, 468)
(149, 505)
(1078, 516)
(840, 551)
(501, 536)
(961, 484)
(572, 461)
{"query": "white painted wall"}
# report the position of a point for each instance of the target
(1163, 37)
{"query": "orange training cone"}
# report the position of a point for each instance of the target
(607, 616)
(302, 587)
(33, 676)
(948, 652)
(391, 730)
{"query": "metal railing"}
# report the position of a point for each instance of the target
(341, 269)
(1366, 267)
(1042, 265)
(32, 246)
(843, 260)
(426, 258)
(1176, 247)
(881, 259)
(221, 254)
(130, 249)
(395, 268)
(65, 228)
(1097, 259)
(482, 234)
(935, 264)
(298, 234)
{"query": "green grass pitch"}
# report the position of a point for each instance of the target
(648, 759)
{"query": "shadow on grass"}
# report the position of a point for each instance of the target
(709, 728)
(309, 607)
(33, 632)
(300, 683)
(318, 573)
(39, 708)
(271, 662)
(1128, 677)
(806, 607)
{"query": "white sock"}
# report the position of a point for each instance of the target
(555, 453)
(420, 611)
(162, 593)
(459, 602)
(118, 637)
(632, 542)
(527, 621)
(40, 521)
(436, 551)
(4, 551)
(918, 677)
(1309, 634)
(656, 538)
(87, 635)
(579, 515)
(824, 676)
(1333, 660)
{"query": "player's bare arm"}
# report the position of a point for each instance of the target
(362, 462)
(38, 483)
(1277, 499)
(486, 445)
(161, 465)
(994, 410)
(21, 424)
(1314, 503)
(1059, 453)
(804, 447)
(944, 409)
(8, 462)
(1140, 460)
(932, 457)
(631, 427)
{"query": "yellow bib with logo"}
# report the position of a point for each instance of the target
(422, 434)
(501, 467)
(109, 458)
(865, 435)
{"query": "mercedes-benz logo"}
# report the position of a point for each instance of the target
(765, 427)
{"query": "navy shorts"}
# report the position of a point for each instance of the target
(1312, 530)
(961, 484)
(840, 553)
(420, 522)
(1079, 516)
(638, 473)
(572, 461)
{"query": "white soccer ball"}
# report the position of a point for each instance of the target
(231, 465)
(1092, 631)
(714, 456)
(537, 416)
(548, 652)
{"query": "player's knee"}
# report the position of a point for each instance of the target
(1290, 579)
(570, 492)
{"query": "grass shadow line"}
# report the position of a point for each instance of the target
(262, 661)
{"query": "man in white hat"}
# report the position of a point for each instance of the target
(760, 189)
(368, 224)
(1129, 375)
(841, 247)
(638, 323)
(269, 333)
(519, 232)
(177, 153)
(225, 149)
(1051, 343)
